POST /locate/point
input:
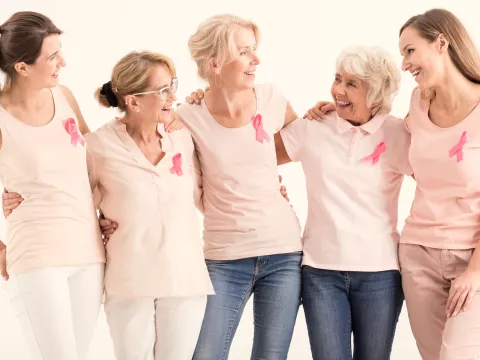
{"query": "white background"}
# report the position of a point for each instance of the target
(300, 41)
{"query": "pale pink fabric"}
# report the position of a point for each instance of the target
(157, 249)
(354, 176)
(446, 209)
(427, 275)
(245, 214)
(56, 224)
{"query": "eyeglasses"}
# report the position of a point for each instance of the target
(165, 92)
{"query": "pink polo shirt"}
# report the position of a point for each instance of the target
(245, 214)
(446, 209)
(353, 177)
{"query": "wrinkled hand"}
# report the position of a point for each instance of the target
(10, 201)
(320, 110)
(108, 227)
(283, 189)
(462, 291)
(196, 96)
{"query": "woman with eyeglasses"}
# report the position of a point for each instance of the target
(156, 280)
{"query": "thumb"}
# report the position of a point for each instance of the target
(3, 271)
(5, 275)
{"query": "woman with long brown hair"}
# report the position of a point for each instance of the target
(54, 250)
(438, 251)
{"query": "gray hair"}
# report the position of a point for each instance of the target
(377, 69)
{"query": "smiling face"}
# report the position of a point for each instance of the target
(240, 72)
(349, 94)
(423, 59)
(153, 106)
(43, 73)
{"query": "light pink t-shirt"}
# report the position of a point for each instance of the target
(245, 214)
(353, 177)
(446, 209)
(156, 250)
(56, 224)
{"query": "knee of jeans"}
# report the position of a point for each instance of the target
(209, 351)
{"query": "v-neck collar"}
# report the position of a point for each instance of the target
(132, 147)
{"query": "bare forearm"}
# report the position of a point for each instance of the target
(474, 264)
(282, 155)
(2, 245)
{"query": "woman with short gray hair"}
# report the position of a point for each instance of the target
(354, 163)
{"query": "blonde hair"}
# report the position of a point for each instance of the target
(132, 75)
(377, 69)
(214, 39)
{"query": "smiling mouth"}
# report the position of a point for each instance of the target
(343, 104)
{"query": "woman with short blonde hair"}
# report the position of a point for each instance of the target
(252, 239)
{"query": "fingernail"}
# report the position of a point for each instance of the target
(455, 313)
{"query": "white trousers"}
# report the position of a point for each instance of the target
(58, 309)
(155, 329)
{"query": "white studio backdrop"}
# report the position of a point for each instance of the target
(300, 42)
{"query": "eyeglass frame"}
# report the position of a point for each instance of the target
(159, 91)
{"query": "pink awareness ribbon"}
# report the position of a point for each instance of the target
(177, 165)
(375, 156)
(261, 134)
(72, 130)
(458, 149)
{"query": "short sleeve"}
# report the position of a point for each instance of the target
(271, 100)
(184, 112)
(294, 137)
(197, 183)
(400, 151)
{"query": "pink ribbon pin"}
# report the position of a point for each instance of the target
(261, 133)
(458, 149)
(177, 165)
(375, 156)
(72, 129)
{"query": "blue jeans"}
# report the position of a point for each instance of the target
(275, 282)
(337, 303)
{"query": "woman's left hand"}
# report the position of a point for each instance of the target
(462, 291)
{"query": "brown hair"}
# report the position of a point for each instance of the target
(132, 75)
(21, 39)
(461, 47)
